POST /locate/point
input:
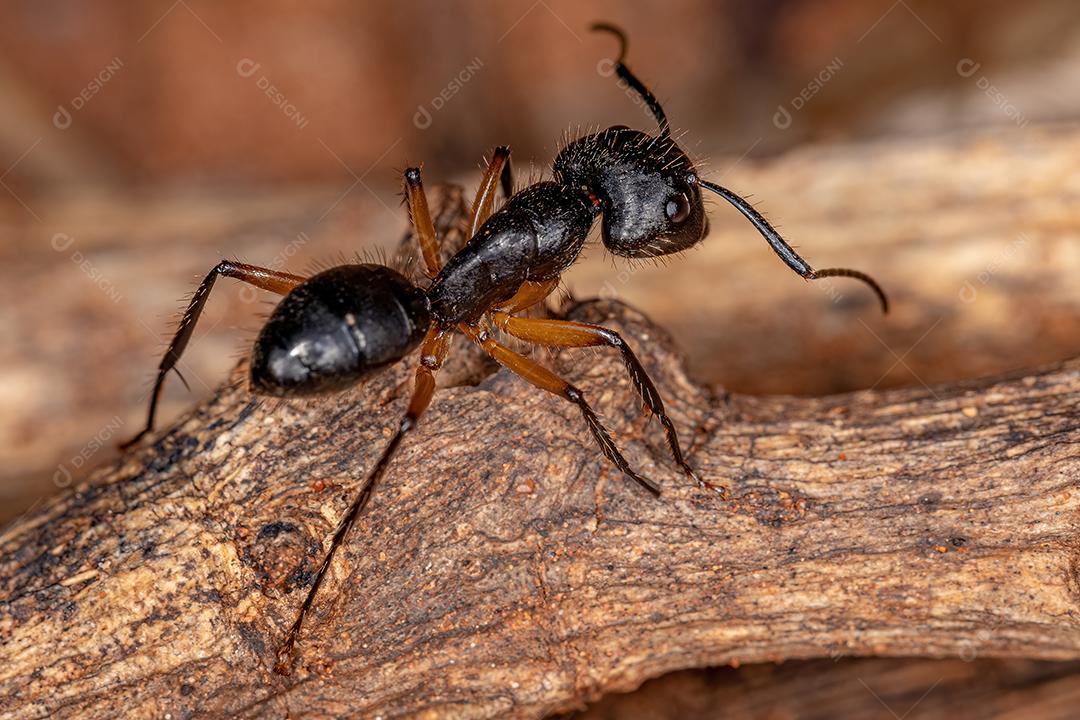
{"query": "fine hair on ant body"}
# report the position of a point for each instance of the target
(339, 326)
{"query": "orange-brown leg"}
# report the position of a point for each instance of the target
(421, 220)
(433, 353)
(570, 334)
(485, 193)
(545, 379)
(262, 278)
(529, 294)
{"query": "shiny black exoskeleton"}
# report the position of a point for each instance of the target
(644, 187)
(339, 326)
(536, 236)
(647, 189)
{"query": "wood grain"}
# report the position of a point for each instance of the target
(516, 574)
(161, 584)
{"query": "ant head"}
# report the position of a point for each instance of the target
(647, 190)
(644, 185)
(649, 193)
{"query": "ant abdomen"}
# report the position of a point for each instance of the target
(336, 328)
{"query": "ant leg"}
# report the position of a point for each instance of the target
(433, 353)
(485, 193)
(262, 278)
(529, 294)
(567, 333)
(545, 379)
(449, 213)
(421, 220)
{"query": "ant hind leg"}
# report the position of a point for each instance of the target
(435, 348)
(262, 278)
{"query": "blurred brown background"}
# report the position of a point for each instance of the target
(141, 142)
(181, 93)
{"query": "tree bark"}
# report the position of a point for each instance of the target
(505, 569)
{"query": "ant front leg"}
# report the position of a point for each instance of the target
(433, 352)
(262, 278)
(570, 334)
(545, 379)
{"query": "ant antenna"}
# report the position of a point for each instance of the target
(630, 79)
(785, 251)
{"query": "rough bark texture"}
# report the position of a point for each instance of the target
(505, 569)
(975, 237)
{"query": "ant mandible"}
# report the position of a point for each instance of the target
(339, 326)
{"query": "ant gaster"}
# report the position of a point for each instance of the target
(341, 325)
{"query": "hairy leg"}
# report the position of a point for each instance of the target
(260, 277)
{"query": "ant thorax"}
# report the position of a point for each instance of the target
(535, 236)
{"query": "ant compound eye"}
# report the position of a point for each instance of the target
(678, 208)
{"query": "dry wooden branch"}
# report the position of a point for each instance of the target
(505, 569)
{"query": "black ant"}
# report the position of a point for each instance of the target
(341, 325)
